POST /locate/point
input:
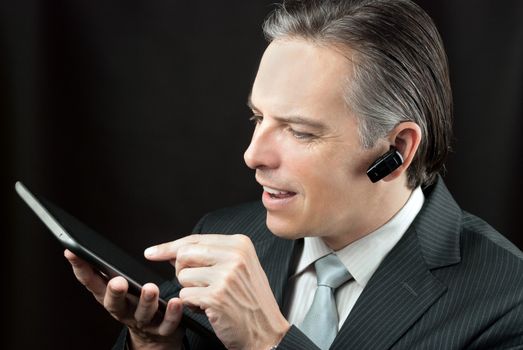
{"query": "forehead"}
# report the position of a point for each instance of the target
(297, 76)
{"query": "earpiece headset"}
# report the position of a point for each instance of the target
(385, 165)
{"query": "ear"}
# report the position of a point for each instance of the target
(406, 137)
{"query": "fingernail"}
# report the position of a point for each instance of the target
(150, 251)
(116, 291)
(148, 295)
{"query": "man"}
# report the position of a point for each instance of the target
(341, 84)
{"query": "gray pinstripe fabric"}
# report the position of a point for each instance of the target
(452, 282)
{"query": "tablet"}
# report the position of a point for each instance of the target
(104, 256)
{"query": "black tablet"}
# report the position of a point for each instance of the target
(107, 258)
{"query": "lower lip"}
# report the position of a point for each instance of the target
(273, 203)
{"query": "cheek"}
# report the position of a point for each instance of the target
(327, 190)
(322, 176)
(331, 182)
(325, 171)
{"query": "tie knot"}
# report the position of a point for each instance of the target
(331, 272)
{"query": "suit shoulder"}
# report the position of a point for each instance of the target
(479, 231)
(242, 218)
(491, 258)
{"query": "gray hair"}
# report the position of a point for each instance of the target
(400, 69)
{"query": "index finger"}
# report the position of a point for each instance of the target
(169, 250)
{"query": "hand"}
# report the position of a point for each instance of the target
(221, 274)
(147, 330)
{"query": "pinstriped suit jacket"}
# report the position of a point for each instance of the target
(452, 282)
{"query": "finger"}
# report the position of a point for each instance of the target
(196, 276)
(172, 318)
(195, 297)
(86, 275)
(147, 305)
(199, 255)
(169, 250)
(115, 298)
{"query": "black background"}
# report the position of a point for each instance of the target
(132, 116)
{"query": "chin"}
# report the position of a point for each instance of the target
(286, 229)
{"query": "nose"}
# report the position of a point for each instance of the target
(262, 152)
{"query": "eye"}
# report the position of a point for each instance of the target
(301, 135)
(256, 119)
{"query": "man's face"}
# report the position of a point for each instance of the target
(306, 148)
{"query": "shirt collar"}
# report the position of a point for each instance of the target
(362, 257)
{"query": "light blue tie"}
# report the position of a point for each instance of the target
(321, 322)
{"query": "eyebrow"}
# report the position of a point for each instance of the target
(295, 119)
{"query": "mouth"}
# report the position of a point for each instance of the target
(275, 193)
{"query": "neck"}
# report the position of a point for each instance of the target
(387, 202)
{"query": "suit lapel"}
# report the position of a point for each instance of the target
(403, 287)
(276, 256)
(396, 296)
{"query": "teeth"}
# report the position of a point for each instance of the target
(274, 191)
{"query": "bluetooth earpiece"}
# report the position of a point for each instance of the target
(385, 165)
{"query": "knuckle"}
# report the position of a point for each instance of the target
(211, 315)
(183, 254)
(239, 267)
(163, 332)
(244, 245)
(238, 260)
(180, 254)
(83, 281)
(204, 250)
(194, 237)
(182, 275)
(217, 294)
(110, 306)
(183, 294)
(142, 317)
(242, 239)
(167, 328)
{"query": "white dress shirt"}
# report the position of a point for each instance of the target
(361, 258)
